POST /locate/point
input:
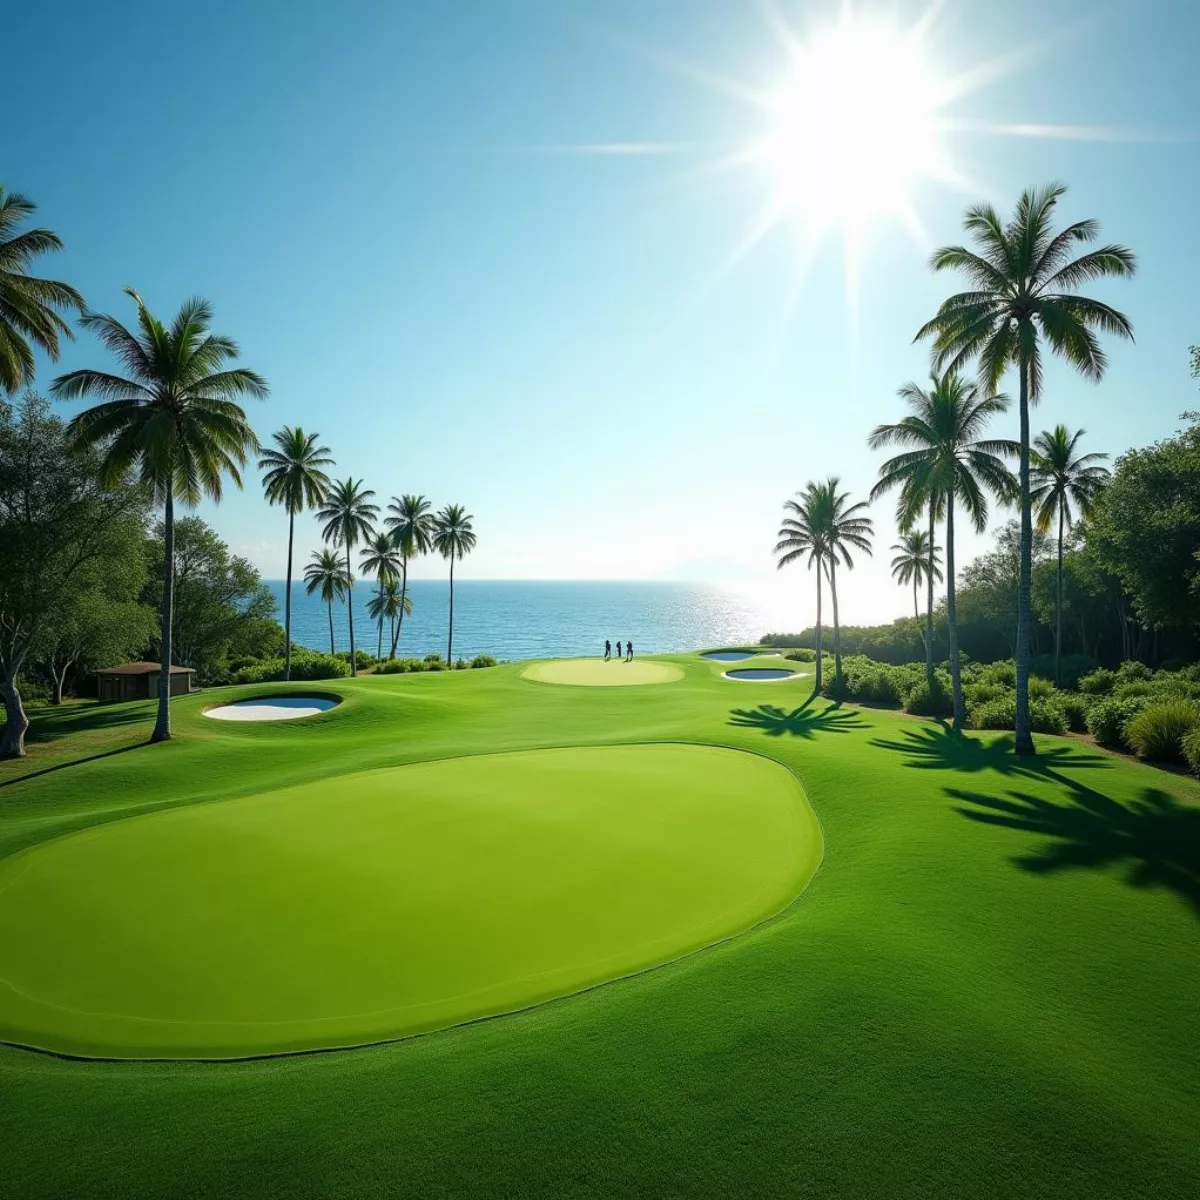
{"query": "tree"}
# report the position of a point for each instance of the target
(29, 307)
(296, 479)
(1058, 478)
(453, 537)
(917, 559)
(381, 558)
(349, 518)
(845, 529)
(946, 462)
(57, 520)
(172, 423)
(327, 574)
(992, 581)
(1025, 290)
(411, 525)
(803, 535)
(389, 605)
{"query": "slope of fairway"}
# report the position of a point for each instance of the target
(391, 901)
(596, 672)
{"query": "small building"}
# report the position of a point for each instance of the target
(139, 681)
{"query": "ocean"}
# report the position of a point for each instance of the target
(514, 619)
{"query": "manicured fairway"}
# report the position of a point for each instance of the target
(595, 672)
(391, 901)
(988, 988)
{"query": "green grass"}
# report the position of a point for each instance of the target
(988, 988)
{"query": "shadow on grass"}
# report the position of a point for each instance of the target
(48, 724)
(75, 762)
(944, 749)
(805, 721)
(1157, 837)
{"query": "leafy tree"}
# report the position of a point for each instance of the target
(1025, 287)
(453, 537)
(1060, 477)
(57, 521)
(381, 558)
(411, 525)
(992, 582)
(917, 559)
(349, 518)
(29, 307)
(945, 461)
(803, 535)
(295, 477)
(327, 574)
(172, 422)
(1146, 528)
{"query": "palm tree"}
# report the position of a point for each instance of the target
(389, 605)
(1058, 478)
(349, 518)
(28, 305)
(917, 559)
(411, 525)
(327, 573)
(295, 479)
(381, 559)
(173, 422)
(1025, 289)
(845, 529)
(453, 538)
(945, 461)
(803, 534)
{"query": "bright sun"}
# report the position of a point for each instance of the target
(854, 127)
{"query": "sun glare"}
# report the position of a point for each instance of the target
(854, 127)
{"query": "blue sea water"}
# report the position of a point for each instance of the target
(514, 619)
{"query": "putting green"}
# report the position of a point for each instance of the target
(595, 672)
(388, 902)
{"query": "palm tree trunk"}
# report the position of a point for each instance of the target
(350, 611)
(917, 607)
(331, 651)
(450, 635)
(162, 725)
(379, 647)
(1058, 605)
(398, 621)
(818, 689)
(1023, 743)
(929, 604)
(837, 631)
(960, 709)
(287, 603)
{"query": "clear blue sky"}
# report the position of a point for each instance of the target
(400, 213)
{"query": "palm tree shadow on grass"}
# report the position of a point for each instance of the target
(942, 748)
(805, 721)
(1156, 835)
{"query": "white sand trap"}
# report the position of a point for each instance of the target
(272, 708)
(595, 672)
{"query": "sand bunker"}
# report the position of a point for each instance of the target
(273, 708)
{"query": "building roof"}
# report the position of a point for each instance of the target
(143, 668)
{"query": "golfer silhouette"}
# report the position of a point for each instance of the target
(607, 650)
(629, 652)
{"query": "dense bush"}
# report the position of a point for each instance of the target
(399, 666)
(1130, 670)
(922, 702)
(1045, 716)
(306, 666)
(1157, 732)
(1040, 689)
(808, 656)
(483, 660)
(1191, 749)
(361, 658)
(1075, 707)
(979, 694)
(1098, 683)
(1107, 718)
(1003, 674)
(1071, 669)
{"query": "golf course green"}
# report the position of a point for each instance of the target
(596, 672)
(976, 977)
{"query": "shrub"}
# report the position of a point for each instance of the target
(1075, 707)
(361, 658)
(1191, 749)
(435, 665)
(979, 694)
(304, 667)
(1157, 732)
(1071, 667)
(1098, 683)
(1107, 718)
(400, 666)
(433, 658)
(1040, 689)
(1131, 669)
(1045, 716)
(1003, 674)
(1134, 687)
(802, 655)
(922, 702)
(461, 664)
(483, 660)
(884, 687)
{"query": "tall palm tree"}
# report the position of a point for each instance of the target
(802, 534)
(326, 573)
(945, 461)
(389, 605)
(173, 423)
(381, 558)
(917, 559)
(29, 307)
(294, 478)
(846, 529)
(411, 525)
(453, 537)
(349, 518)
(1025, 289)
(1058, 478)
